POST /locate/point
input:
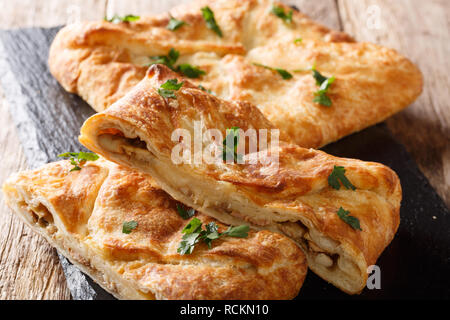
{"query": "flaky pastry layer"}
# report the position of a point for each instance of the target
(293, 198)
(102, 61)
(81, 213)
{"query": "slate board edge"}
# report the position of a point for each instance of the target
(80, 286)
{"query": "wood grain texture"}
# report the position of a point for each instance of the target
(29, 268)
(419, 30)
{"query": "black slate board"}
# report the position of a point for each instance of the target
(415, 265)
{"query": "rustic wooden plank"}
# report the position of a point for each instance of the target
(420, 30)
(29, 266)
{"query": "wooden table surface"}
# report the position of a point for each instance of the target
(29, 267)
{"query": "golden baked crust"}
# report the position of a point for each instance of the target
(294, 199)
(102, 61)
(81, 213)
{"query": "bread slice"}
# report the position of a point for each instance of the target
(81, 213)
(291, 196)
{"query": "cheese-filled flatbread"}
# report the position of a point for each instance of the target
(264, 56)
(300, 195)
(83, 214)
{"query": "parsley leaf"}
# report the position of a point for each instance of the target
(324, 84)
(298, 40)
(185, 213)
(174, 24)
(168, 60)
(350, 220)
(194, 233)
(279, 12)
(128, 18)
(338, 174)
(318, 76)
(77, 159)
(211, 23)
(167, 93)
(206, 90)
(168, 88)
(128, 226)
(227, 153)
(190, 71)
(172, 84)
(193, 225)
(323, 100)
(283, 73)
(237, 232)
(188, 243)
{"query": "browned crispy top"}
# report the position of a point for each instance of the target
(93, 203)
(102, 61)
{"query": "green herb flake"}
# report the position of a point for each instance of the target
(347, 218)
(280, 13)
(338, 174)
(168, 60)
(193, 226)
(283, 73)
(185, 213)
(238, 232)
(231, 152)
(194, 233)
(175, 24)
(77, 159)
(298, 40)
(128, 18)
(172, 84)
(168, 88)
(128, 226)
(324, 84)
(206, 90)
(190, 70)
(323, 100)
(211, 23)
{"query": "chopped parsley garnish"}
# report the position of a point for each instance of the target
(190, 70)
(338, 174)
(168, 88)
(185, 213)
(204, 89)
(128, 18)
(324, 84)
(168, 60)
(280, 13)
(231, 153)
(174, 24)
(347, 218)
(194, 233)
(298, 40)
(128, 226)
(77, 159)
(283, 73)
(211, 23)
